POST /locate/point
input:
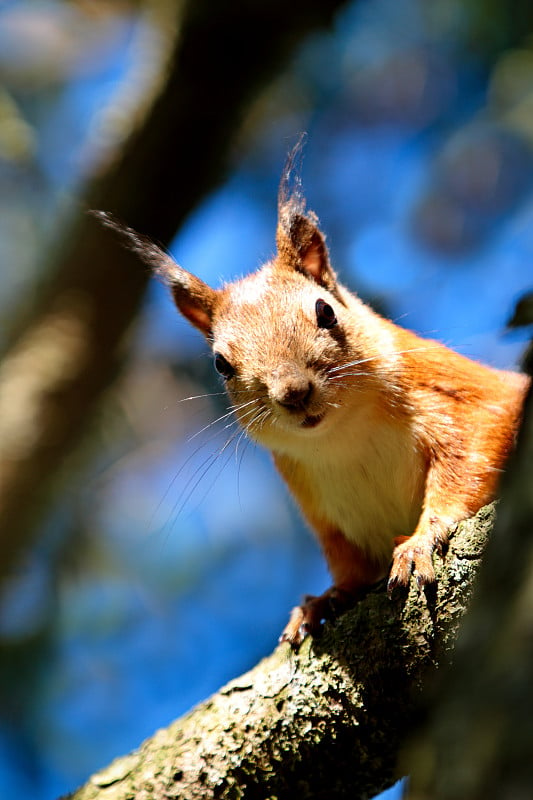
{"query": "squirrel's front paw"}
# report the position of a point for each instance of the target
(411, 556)
(296, 629)
(308, 618)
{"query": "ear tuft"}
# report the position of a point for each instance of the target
(290, 192)
(194, 298)
(301, 244)
(149, 252)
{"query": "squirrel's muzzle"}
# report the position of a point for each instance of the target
(291, 388)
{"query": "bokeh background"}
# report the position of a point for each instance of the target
(166, 562)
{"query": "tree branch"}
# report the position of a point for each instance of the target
(324, 723)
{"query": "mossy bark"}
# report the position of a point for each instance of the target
(326, 722)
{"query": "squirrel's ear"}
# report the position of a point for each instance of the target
(301, 244)
(194, 298)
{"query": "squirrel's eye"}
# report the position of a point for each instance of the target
(325, 316)
(223, 366)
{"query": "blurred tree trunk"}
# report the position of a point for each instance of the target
(324, 723)
(64, 357)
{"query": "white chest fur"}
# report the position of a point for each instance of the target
(366, 480)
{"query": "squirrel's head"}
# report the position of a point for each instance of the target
(280, 336)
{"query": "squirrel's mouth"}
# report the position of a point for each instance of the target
(312, 422)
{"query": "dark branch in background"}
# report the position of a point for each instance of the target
(64, 358)
(476, 742)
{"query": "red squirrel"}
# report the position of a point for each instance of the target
(384, 439)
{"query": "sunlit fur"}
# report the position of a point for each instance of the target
(412, 432)
(361, 470)
(384, 439)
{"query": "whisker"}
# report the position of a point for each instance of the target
(259, 420)
(196, 478)
(203, 468)
(379, 355)
(214, 435)
(247, 425)
(201, 396)
(262, 416)
(238, 462)
(232, 410)
(357, 373)
(337, 380)
(204, 473)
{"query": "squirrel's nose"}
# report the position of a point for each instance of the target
(293, 392)
(296, 399)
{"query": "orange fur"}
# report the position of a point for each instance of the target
(382, 455)
(384, 439)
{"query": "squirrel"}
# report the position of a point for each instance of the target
(384, 439)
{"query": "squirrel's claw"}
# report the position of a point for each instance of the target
(411, 558)
(297, 628)
(314, 611)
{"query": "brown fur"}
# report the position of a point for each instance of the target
(384, 439)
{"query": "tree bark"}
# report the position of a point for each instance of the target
(326, 722)
(63, 359)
